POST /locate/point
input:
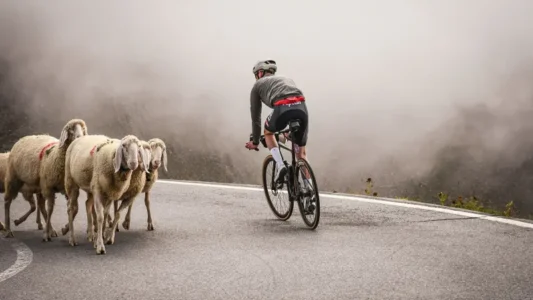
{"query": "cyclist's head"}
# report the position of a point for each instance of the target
(263, 67)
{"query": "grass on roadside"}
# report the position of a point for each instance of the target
(469, 203)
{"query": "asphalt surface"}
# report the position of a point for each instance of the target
(212, 243)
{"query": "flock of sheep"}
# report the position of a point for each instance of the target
(107, 169)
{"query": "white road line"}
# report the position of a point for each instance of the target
(24, 259)
(368, 200)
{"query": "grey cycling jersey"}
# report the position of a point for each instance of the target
(268, 90)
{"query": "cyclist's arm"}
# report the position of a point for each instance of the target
(255, 111)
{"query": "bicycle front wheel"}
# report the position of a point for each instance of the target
(308, 200)
(277, 198)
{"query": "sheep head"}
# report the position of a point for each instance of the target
(74, 129)
(145, 156)
(127, 153)
(159, 154)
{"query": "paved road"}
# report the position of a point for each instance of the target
(213, 243)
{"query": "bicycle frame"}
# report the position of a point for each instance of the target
(296, 192)
(292, 186)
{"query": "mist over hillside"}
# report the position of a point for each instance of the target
(421, 97)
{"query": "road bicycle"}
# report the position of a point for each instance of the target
(307, 197)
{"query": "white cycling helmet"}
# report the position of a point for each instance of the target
(265, 65)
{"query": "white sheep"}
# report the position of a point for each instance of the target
(146, 146)
(113, 168)
(78, 175)
(38, 161)
(158, 151)
(137, 184)
(27, 194)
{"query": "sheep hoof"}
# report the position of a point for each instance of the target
(110, 241)
(100, 250)
(150, 227)
(9, 234)
(17, 222)
(73, 243)
(2, 226)
(54, 233)
(126, 225)
(40, 226)
(47, 239)
(64, 230)
(117, 229)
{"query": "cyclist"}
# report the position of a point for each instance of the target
(288, 102)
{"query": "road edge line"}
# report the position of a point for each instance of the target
(24, 259)
(383, 201)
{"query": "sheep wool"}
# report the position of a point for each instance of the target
(114, 164)
(78, 175)
(137, 183)
(27, 194)
(38, 161)
(158, 151)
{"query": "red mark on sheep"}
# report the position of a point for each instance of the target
(92, 150)
(41, 154)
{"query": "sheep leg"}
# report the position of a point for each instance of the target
(99, 209)
(2, 226)
(95, 222)
(115, 206)
(38, 221)
(74, 192)
(49, 230)
(7, 227)
(13, 186)
(72, 212)
(125, 203)
(147, 203)
(28, 196)
(41, 203)
(108, 219)
(126, 223)
(89, 203)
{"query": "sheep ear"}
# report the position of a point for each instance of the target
(165, 159)
(84, 129)
(63, 138)
(141, 154)
(117, 162)
(146, 159)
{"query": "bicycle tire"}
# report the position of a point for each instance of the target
(312, 225)
(282, 216)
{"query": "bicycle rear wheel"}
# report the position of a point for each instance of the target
(280, 196)
(310, 219)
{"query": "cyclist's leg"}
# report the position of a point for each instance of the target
(271, 126)
(293, 112)
(300, 137)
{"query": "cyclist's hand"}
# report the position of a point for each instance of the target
(250, 145)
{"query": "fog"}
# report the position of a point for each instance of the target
(421, 96)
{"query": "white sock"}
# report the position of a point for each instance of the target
(277, 156)
(309, 182)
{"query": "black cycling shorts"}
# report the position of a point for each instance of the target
(282, 114)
